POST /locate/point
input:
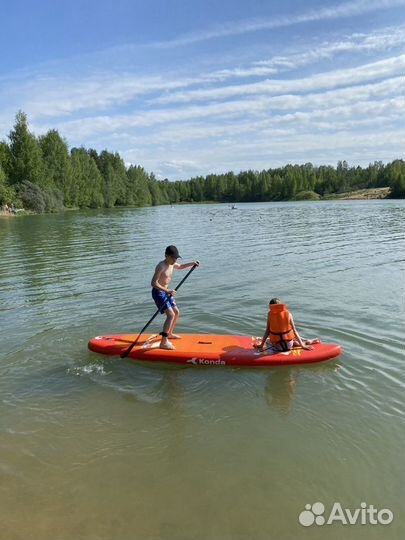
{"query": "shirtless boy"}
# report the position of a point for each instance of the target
(164, 296)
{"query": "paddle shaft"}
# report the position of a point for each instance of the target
(127, 351)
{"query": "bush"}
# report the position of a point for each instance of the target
(53, 200)
(32, 197)
(7, 194)
(307, 196)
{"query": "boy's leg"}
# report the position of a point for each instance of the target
(165, 343)
(173, 323)
(307, 342)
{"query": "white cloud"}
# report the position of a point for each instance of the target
(387, 39)
(255, 108)
(346, 9)
(54, 96)
(241, 154)
(237, 115)
(57, 97)
(340, 77)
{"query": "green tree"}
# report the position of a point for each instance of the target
(25, 161)
(197, 189)
(277, 183)
(87, 190)
(326, 181)
(159, 196)
(233, 188)
(57, 166)
(395, 175)
(7, 193)
(137, 187)
(4, 155)
(113, 170)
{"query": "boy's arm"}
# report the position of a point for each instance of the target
(301, 343)
(186, 265)
(265, 336)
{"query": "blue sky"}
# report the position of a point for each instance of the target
(187, 87)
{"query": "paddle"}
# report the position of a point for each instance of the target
(127, 351)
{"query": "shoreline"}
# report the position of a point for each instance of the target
(362, 194)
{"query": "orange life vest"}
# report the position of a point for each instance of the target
(279, 323)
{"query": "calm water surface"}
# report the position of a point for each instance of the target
(101, 448)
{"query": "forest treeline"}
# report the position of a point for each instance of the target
(43, 175)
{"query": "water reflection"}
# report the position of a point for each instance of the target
(279, 389)
(282, 383)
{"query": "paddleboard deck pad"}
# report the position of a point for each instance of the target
(206, 350)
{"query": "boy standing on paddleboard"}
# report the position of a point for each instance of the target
(164, 297)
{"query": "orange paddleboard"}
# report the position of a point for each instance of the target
(207, 349)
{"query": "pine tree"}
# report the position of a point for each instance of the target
(57, 166)
(26, 161)
(7, 194)
(396, 178)
(137, 187)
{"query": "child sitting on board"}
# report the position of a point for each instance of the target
(281, 331)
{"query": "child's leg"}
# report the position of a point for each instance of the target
(311, 341)
(165, 343)
(307, 342)
(174, 322)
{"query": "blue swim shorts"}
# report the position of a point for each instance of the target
(162, 300)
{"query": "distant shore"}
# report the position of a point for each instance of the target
(360, 194)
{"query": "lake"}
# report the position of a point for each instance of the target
(102, 448)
